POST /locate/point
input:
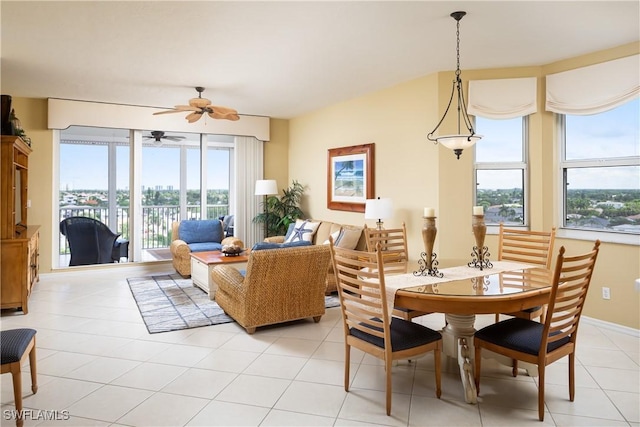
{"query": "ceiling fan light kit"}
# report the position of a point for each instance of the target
(199, 106)
(459, 141)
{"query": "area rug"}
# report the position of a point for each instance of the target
(170, 302)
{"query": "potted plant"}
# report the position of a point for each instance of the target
(282, 211)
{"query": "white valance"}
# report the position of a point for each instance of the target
(502, 98)
(594, 89)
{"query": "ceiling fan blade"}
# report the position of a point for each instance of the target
(167, 112)
(186, 108)
(222, 110)
(228, 116)
(199, 102)
(193, 117)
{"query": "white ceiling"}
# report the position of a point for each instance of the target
(282, 59)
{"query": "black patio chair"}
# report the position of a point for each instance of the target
(90, 241)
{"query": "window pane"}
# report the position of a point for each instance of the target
(160, 193)
(610, 134)
(122, 190)
(501, 141)
(605, 198)
(501, 193)
(193, 181)
(218, 182)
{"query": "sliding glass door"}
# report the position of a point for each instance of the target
(94, 181)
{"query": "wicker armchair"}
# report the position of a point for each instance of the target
(280, 285)
(181, 249)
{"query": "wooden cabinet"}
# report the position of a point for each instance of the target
(20, 242)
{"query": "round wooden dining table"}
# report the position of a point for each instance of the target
(506, 288)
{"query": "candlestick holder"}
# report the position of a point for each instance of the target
(480, 254)
(428, 259)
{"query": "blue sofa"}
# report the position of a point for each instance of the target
(196, 236)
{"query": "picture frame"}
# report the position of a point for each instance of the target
(350, 177)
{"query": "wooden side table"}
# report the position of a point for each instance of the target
(203, 262)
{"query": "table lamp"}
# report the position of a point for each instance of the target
(378, 209)
(266, 187)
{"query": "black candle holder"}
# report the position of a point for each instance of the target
(480, 258)
(428, 268)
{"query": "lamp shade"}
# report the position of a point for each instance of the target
(266, 187)
(461, 142)
(378, 208)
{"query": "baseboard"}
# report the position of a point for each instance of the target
(611, 326)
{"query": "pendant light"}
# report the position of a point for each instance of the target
(459, 141)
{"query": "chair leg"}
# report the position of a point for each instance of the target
(541, 370)
(514, 369)
(347, 364)
(572, 381)
(16, 377)
(478, 359)
(387, 368)
(32, 368)
(437, 355)
(497, 317)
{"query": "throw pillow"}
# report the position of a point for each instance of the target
(201, 231)
(265, 245)
(289, 231)
(303, 230)
(345, 238)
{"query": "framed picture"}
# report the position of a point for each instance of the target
(350, 177)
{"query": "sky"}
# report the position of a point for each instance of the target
(86, 167)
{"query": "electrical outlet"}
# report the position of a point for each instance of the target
(606, 293)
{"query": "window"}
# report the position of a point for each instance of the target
(601, 170)
(501, 170)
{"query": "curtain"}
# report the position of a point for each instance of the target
(502, 98)
(248, 168)
(594, 89)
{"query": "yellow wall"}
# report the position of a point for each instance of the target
(408, 168)
(406, 164)
(277, 153)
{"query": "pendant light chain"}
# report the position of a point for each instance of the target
(458, 49)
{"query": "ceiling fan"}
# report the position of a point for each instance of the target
(158, 136)
(199, 106)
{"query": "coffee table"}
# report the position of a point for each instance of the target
(203, 262)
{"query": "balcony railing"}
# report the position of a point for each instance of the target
(156, 221)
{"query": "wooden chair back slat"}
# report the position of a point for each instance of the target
(572, 277)
(534, 247)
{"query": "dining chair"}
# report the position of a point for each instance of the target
(395, 256)
(531, 247)
(367, 323)
(544, 343)
(16, 346)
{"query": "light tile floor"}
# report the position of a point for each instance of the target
(97, 361)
